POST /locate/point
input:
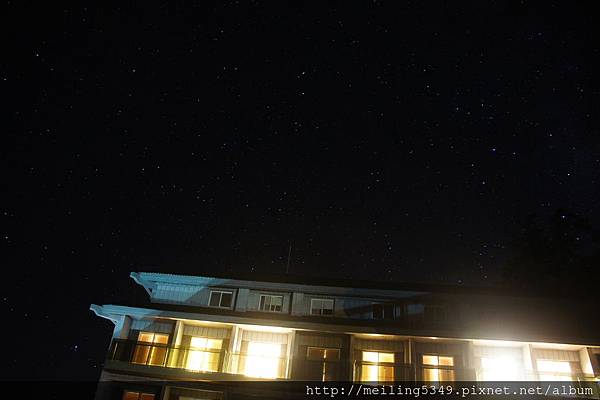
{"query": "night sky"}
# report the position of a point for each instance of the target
(383, 141)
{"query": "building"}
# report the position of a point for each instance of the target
(204, 337)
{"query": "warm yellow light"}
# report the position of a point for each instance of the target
(500, 368)
(377, 373)
(263, 360)
(554, 370)
(203, 354)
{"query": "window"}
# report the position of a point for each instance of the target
(321, 353)
(374, 368)
(220, 299)
(554, 370)
(383, 311)
(271, 303)
(204, 354)
(263, 360)
(151, 348)
(501, 368)
(327, 356)
(129, 395)
(444, 373)
(321, 306)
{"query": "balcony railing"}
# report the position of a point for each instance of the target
(162, 355)
(198, 360)
(270, 367)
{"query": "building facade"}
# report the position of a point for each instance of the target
(203, 337)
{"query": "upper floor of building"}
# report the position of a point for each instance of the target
(383, 307)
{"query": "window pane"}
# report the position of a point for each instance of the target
(554, 366)
(277, 300)
(147, 396)
(370, 356)
(446, 361)
(127, 395)
(215, 299)
(446, 375)
(263, 302)
(431, 375)
(386, 374)
(377, 311)
(430, 360)
(214, 344)
(315, 353)
(158, 356)
(146, 337)
(162, 339)
(226, 299)
(388, 311)
(316, 304)
(332, 354)
(369, 373)
(386, 357)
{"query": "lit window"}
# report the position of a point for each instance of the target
(271, 303)
(554, 370)
(263, 360)
(374, 368)
(321, 306)
(220, 299)
(445, 373)
(383, 311)
(129, 395)
(501, 368)
(151, 348)
(204, 354)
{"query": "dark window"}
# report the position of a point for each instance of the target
(383, 311)
(220, 299)
(271, 303)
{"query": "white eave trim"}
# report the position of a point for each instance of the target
(150, 279)
(101, 312)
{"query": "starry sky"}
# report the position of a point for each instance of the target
(385, 141)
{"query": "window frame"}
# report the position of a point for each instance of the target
(440, 369)
(322, 299)
(383, 313)
(139, 394)
(221, 292)
(270, 296)
(326, 350)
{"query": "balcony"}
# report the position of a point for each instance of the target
(198, 360)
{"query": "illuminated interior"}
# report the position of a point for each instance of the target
(262, 360)
(554, 370)
(376, 372)
(204, 354)
(501, 368)
(438, 374)
(146, 352)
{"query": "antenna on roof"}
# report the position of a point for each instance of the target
(287, 267)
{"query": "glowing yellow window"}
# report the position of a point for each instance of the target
(204, 354)
(151, 348)
(554, 370)
(438, 374)
(501, 368)
(263, 360)
(374, 368)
